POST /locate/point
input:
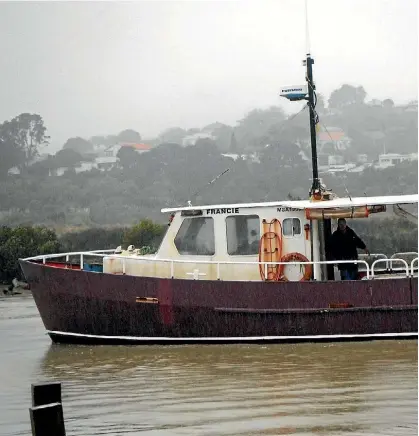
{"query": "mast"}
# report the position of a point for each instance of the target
(324, 226)
(308, 62)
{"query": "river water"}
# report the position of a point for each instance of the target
(368, 388)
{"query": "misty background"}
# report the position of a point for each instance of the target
(92, 68)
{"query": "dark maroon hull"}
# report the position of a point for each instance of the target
(87, 307)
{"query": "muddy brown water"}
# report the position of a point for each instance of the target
(368, 388)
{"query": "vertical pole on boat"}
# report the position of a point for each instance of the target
(316, 186)
(311, 103)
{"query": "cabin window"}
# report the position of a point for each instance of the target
(196, 237)
(243, 234)
(291, 227)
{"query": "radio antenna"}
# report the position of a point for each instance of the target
(208, 184)
(307, 31)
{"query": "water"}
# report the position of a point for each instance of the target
(368, 388)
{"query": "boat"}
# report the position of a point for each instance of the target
(234, 273)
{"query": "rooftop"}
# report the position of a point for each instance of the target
(307, 204)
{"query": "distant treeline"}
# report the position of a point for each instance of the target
(26, 241)
(267, 153)
(386, 236)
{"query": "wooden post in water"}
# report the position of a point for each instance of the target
(47, 417)
(45, 393)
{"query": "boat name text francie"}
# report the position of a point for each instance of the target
(224, 210)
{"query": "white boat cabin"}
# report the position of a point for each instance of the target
(245, 242)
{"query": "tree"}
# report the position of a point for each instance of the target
(233, 144)
(23, 241)
(11, 155)
(67, 157)
(24, 135)
(172, 135)
(257, 124)
(79, 145)
(145, 233)
(222, 134)
(347, 95)
(388, 103)
(128, 157)
(129, 135)
(320, 106)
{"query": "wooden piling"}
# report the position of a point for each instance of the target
(47, 420)
(45, 393)
(47, 417)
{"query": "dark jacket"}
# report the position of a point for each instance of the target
(343, 247)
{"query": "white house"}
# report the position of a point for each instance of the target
(390, 159)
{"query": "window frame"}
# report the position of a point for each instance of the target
(226, 233)
(294, 235)
(189, 218)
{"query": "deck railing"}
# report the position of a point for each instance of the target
(370, 270)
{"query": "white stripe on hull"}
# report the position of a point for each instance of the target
(239, 338)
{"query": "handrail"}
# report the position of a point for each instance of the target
(385, 260)
(396, 256)
(372, 255)
(71, 253)
(402, 252)
(205, 262)
(412, 270)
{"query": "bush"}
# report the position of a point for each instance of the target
(145, 234)
(21, 242)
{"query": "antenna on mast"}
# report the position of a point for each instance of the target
(307, 31)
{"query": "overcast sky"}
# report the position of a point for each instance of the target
(98, 68)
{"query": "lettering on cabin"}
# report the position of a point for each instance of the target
(223, 210)
(287, 209)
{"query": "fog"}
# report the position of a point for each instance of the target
(98, 68)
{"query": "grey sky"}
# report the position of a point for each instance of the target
(97, 68)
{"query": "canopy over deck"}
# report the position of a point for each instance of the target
(344, 202)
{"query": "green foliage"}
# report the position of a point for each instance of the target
(21, 242)
(129, 135)
(92, 239)
(173, 134)
(128, 158)
(67, 157)
(21, 139)
(145, 234)
(347, 95)
(80, 145)
(26, 241)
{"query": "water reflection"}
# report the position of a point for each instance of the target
(366, 388)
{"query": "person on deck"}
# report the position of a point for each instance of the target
(343, 245)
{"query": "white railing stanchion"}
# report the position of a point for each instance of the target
(406, 266)
(81, 261)
(218, 271)
(412, 266)
(67, 258)
(266, 271)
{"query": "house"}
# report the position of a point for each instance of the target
(332, 138)
(108, 158)
(390, 159)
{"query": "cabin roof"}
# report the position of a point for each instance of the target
(307, 204)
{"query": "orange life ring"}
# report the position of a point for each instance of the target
(295, 257)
